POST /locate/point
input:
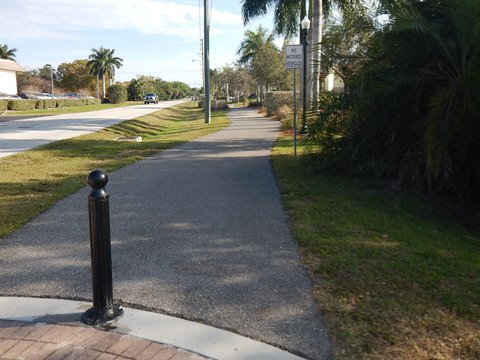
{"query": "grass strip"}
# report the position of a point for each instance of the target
(34, 180)
(393, 279)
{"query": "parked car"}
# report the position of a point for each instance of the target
(150, 99)
(8, 97)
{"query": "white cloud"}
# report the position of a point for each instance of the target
(58, 19)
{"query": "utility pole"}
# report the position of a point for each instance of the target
(206, 63)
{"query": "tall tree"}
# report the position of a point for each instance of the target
(252, 51)
(252, 42)
(286, 20)
(102, 62)
(75, 76)
(6, 53)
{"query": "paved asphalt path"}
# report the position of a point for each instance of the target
(21, 134)
(197, 232)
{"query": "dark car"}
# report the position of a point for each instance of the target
(150, 99)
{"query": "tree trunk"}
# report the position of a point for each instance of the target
(103, 85)
(309, 60)
(317, 23)
(98, 90)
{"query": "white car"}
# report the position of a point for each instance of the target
(150, 99)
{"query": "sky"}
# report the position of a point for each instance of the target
(160, 38)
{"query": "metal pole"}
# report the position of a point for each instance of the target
(206, 63)
(304, 129)
(294, 113)
(51, 76)
(103, 311)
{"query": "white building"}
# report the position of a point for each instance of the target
(334, 83)
(8, 78)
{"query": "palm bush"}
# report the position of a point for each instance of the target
(327, 130)
(417, 99)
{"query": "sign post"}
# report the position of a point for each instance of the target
(294, 61)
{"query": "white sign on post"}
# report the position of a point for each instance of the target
(294, 57)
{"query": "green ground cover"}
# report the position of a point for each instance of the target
(394, 278)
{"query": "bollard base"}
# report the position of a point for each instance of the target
(102, 316)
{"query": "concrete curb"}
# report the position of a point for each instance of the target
(198, 338)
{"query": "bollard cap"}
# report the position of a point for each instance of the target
(97, 179)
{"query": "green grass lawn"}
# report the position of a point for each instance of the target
(32, 181)
(393, 278)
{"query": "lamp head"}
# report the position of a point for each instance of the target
(305, 23)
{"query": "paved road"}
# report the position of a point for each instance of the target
(197, 232)
(24, 134)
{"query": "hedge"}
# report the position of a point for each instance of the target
(19, 105)
(41, 104)
(117, 94)
(277, 99)
(93, 101)
(3, 105)
(45, 104)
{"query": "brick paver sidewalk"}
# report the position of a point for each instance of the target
(38, 341)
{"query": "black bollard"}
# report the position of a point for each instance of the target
(103, 311)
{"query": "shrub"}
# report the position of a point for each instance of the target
(74, 102)
(277, 99)
(45, 104)
(327, 130)
(254, 103)
(117, 94)
(19, 105)
(282, 112)
(92, 101)
(39, 104)
(219, 104)
(49, 103)
(3, 105)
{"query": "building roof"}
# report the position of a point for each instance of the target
(10, 65)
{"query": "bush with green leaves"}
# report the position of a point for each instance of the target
(42, 104)
(117, 94)
(92, 101)
(3, 105)
(20, 105)
(277, 99)
(417, 99)
(327, 129)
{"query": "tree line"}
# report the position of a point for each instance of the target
(83, 76)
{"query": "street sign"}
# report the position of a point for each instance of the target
(294, 57)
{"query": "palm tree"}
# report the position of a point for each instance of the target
(252, 42)
(6, 53)
(102, 62)
(252, 48)
(286, 16)
(286, 23)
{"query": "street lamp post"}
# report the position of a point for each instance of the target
(51, 76)
(305, 27)
(206, 63)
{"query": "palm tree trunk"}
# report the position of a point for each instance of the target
(303, 13)
(98, 90)
(315, 53)
(103, 85)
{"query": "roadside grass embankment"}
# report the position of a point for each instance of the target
(393, 277)
(34, 180)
